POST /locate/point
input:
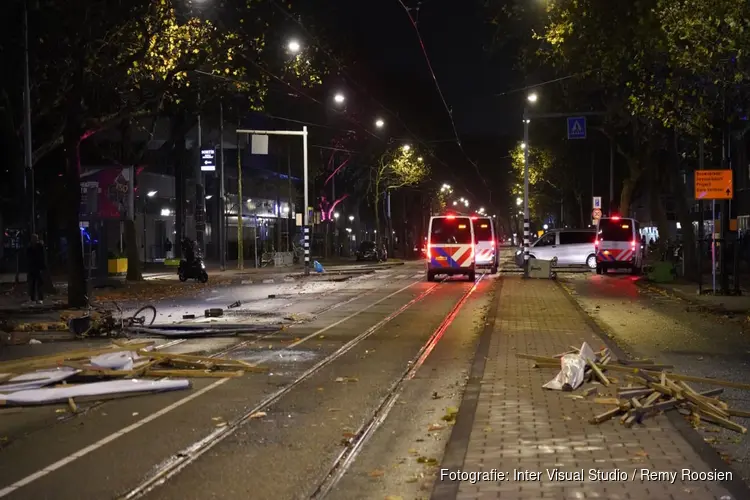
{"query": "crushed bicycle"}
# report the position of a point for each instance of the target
(104, 322)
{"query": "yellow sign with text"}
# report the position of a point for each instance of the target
(713, 185)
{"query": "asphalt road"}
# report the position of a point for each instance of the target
(649, 323)
(344, 346)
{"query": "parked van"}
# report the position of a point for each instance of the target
(618, 245)
(450, 247)
(572, 247)
(485, 243)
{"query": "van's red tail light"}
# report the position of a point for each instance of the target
(596, 242)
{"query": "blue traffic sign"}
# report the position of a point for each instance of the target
(577, 127)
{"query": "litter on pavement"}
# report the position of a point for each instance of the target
(651, 389)
(121, 369)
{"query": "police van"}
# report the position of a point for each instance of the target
(618, 245)
(450, 247)
(485, 243)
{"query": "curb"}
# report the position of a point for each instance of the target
(736, 487)
(458, 442)
(714, 309)
(277, 280)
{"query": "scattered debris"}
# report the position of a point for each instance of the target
(122, 369)
(188, 316)
(234, 305)
(651, 390)
(214, 312)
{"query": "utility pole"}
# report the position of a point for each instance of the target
(612, 174)
(526, 225)
(240, 211)
(199, 215)
(27, 149)
(222, 201)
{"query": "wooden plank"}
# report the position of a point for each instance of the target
(603, 417)
(602, 378)
(724, 422)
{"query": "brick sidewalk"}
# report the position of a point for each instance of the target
(519, 425)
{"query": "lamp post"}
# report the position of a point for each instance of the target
(531, 98)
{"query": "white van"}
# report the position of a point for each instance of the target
(571, 247)
(450, 247)
(485, 243)
(618, 245)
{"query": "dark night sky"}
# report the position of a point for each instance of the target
(380, 35)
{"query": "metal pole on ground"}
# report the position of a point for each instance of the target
(306, 216)
(222, 214)
(526, 236)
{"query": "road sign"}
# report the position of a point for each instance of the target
(596, 214)
(713, 185)
(597, 202)
(577, 127)
(208, 160)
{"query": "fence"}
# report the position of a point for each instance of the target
(731, 257)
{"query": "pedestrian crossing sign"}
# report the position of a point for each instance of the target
(577, 127)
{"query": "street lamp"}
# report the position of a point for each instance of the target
(151, 194)
(336, 215)
(530, 99)
(209, 196)
(523, 145)
(406, 147)
(419, 158)
(455, 203)
(351, 218)
(519, 202)
(339, 98)
(545, 227)
(379, 123)
(293, 46)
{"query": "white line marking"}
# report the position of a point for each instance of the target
(401, 276)
(268, 281)
(247, 282)
(108, 439)
(85, 451)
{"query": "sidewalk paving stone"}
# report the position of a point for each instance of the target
(520, 426)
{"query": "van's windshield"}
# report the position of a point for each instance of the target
(450, 231)
(482, 230)
(615, 230)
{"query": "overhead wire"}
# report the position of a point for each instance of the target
(361, 88)
(440, 92)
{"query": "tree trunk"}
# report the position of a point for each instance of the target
(689, 250)
(131, 250)
(131, 243)
(658, 213)
(628, 187)
(579, 199)
(77, 293)
(178, 151)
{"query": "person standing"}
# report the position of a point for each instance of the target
(36, 262)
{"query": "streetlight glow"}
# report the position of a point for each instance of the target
(293, 46)
(406, 147)
(339, 98)
(351, 218)
(523, 145)
(151, 194)
(420, 158)
(519, 201)
(379, 123)
(209, 196)
(336, 215)
(532, 97)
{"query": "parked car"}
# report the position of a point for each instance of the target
(570, 246)
(368, 251)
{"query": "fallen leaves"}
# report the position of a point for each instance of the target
(377, 473)
(346, 380)
(258, 414)
(450, 414)
(435, 427)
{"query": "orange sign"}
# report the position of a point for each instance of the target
(713, 185)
